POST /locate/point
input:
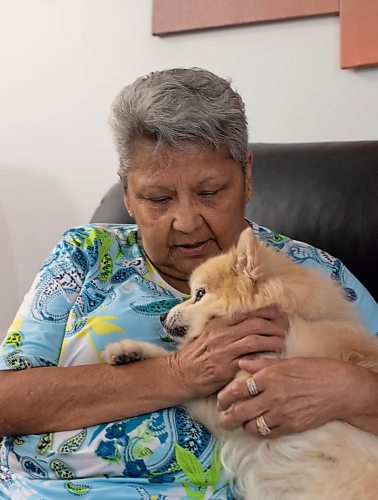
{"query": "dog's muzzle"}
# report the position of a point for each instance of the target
(172, 330)
(178, 331)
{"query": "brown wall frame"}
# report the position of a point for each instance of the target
(173, 16)
(359, 33)
(358, 20)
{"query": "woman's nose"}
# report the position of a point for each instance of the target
(186, 219)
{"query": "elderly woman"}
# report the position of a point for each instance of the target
(75, 427)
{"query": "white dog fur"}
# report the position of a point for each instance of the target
(334, 462)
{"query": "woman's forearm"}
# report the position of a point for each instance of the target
(53, 399)
(365, 416)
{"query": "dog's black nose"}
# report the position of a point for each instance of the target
(179, 331)
(162, 318)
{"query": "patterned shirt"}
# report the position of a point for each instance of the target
(97, 287)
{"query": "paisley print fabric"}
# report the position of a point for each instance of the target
(97, 287)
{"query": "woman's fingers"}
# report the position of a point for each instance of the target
(268, 312)
(241, 412)
(253, 334)
(254, 344)
(236, 391)
(257, 364)
(211, 360)
(293, 395)
(271, 313)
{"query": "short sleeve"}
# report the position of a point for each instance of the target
(365, 303)
(308, 255)
(36, 334)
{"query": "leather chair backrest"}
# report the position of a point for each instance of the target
(322, 193)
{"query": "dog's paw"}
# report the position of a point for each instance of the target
(124, 358)
(130, 351)
(123, 353)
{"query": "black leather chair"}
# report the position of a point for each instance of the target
(323, 193)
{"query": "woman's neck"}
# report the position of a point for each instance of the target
(180, 284)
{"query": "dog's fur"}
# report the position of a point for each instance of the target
(336, 461)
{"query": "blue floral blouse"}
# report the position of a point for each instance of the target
(97, 287)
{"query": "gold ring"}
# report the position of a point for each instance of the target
(262, 426)
(251, 386)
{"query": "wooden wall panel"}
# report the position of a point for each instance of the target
(358, 20)
(359, 33)
(173, 16)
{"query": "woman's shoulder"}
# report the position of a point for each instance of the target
(102, 232)
(92, 245)
(299, 251)
(305, 254)
(101, 238)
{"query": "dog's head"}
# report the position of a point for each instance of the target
(225, 285)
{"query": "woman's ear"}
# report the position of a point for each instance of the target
(248, 178)
(126, 202)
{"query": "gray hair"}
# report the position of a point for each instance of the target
(176, 107)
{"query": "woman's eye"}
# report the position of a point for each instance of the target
(208, 194)
(200, 293)
(160, 201)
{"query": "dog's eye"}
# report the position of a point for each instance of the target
(200, 293)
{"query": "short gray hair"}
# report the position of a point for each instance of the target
(178, 106)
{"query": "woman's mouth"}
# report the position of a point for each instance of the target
(192, 249)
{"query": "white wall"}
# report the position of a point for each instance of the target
(61, 63)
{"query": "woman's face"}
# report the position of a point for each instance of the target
(189, 206)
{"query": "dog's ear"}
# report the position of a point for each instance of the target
(247, 254)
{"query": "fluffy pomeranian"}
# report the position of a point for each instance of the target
(335, 461)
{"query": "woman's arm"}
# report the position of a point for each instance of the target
(301, 393)
(52, 399)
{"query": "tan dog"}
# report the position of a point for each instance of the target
(336, 461)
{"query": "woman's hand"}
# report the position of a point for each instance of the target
(210, 361)
(299, 394)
